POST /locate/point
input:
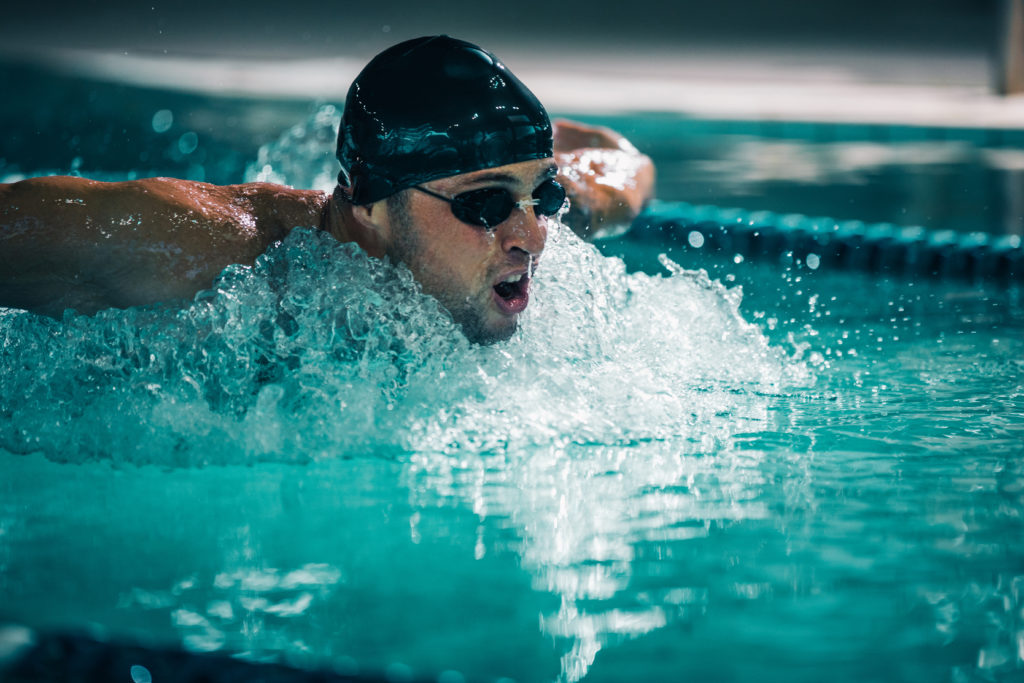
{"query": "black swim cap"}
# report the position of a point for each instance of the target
(435, 107)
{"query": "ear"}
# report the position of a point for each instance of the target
(374, 217)
(372, 227)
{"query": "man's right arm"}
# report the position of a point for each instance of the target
(76, 243)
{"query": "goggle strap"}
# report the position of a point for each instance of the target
(432, 193)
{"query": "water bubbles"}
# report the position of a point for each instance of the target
(318, 351)
(813, 261)
(188, 142)
(163, 120)
(303, 156)
(696, 239)
(140, 674)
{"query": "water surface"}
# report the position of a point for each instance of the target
(757, 472)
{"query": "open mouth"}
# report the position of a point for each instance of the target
(513, 293)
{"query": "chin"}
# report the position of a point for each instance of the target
(479, 333)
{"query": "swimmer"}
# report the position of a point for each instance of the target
(450, 166)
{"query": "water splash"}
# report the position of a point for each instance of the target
(318, 351)
(303, 156)
(608, 416)
(616, 389)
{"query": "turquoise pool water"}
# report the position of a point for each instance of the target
(762, 472)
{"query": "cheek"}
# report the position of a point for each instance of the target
(450, 251)
(466, 255)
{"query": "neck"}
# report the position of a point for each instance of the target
(339, 221)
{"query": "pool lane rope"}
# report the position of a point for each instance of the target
(827, 243)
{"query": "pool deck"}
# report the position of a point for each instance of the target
(801, 83)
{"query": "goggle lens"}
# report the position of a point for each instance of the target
(550, 197)
(491, 206)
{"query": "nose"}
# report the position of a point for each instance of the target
(524, 230)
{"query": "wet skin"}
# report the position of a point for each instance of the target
(481, 276)
(87, 245)
(123, 244)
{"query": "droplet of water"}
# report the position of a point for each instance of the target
(294, 367)
(140, 674)
(188, 142)
(163, 120)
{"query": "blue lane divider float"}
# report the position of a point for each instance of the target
(826, 242)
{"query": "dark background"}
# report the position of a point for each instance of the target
(304, 28)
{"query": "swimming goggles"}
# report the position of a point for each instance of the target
(491, 206)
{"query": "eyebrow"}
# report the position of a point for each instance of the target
(494, 178)
(549, 172)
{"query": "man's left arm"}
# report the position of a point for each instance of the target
(607, 179)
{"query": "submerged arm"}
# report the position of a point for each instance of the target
(607, 179)
(82, 244)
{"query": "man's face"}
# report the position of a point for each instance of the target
(482, 276)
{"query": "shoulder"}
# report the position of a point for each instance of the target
(278, 208)
(169, 193)
(68, 241)
(256, 213)
(71, 189)
(262, 211)
(263, 206)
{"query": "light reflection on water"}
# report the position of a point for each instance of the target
(581, 513)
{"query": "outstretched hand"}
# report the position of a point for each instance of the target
(607, 179)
